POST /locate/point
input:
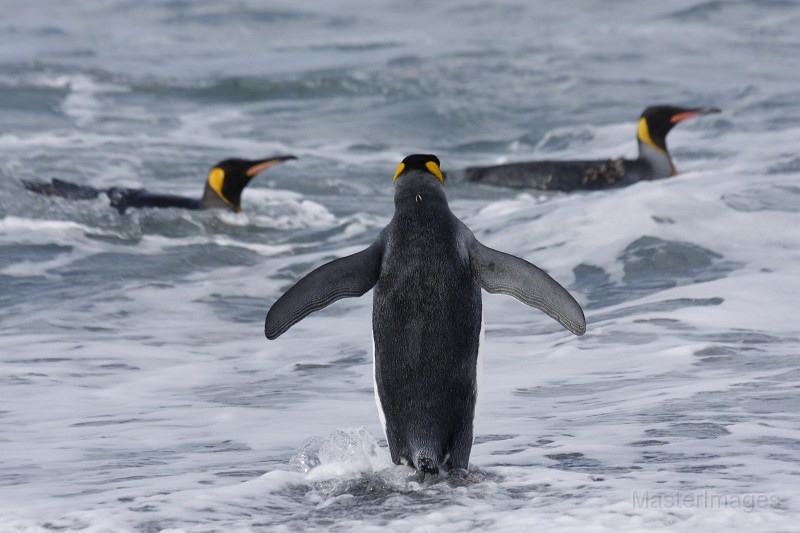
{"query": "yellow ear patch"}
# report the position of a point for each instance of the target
(216, 178)
(644, 135)
(433, 168)
(399, 171)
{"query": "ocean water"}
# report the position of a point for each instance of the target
(137, 390)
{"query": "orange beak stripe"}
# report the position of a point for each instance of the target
(255, 169)
(680, 117)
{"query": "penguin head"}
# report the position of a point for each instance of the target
(228, 178)
(427, 163)
(656, 121)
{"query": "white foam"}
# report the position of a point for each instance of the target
(82, 101)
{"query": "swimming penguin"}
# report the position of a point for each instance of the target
(223, 189)
(427, 269)
(654, 161)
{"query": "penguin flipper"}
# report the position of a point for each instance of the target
(346, 277)
(498, 272)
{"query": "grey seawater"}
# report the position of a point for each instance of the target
(137, 392)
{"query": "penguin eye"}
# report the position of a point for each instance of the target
(433, 168)
(399, 171)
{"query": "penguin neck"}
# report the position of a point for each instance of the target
(415, 190)
(659, 160)
(212, 200)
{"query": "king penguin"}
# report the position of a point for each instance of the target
(427, 270)
(223, 190)
(654, 161)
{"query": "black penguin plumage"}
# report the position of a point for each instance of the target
(654, 161)
(425, 367)
(223, 188)
(427, 270)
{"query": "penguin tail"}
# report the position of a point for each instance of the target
(64, 189)
(426, 466)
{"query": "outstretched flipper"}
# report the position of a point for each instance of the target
(497, 272)
(346, 277)
(64, 189)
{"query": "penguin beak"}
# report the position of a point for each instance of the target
(691, 113)
(266, 163)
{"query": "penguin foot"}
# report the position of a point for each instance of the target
(458, 474)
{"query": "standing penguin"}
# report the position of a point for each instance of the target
(428, 270)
